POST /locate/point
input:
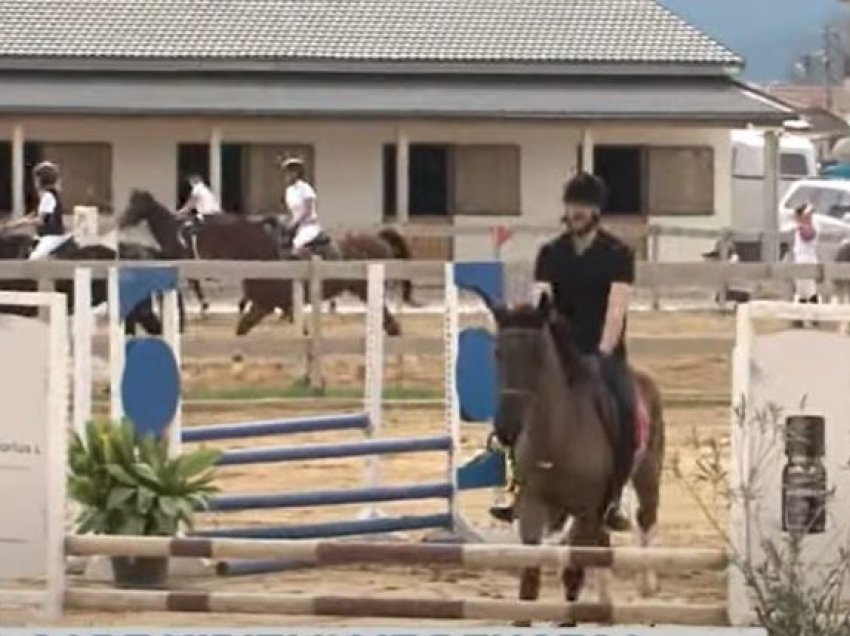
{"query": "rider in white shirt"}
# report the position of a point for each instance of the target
(805, 251)
(201, 200)
(301, 201)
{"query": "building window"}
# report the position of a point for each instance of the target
(86, 170)
(657, 180)
(446, 180)
(251, 181)
(5, 178)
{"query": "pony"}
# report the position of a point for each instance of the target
(557, 414)
(231, 237)
(17, 246)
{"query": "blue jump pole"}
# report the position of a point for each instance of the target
(314, 531)
(328, 451)
(345, 421)
(330, 497)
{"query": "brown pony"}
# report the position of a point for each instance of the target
(231, 237)
(557, 415)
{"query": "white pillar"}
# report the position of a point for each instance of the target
(770, 218)
(18, 176)
(215, 161)
(587, 151)
(402, 172)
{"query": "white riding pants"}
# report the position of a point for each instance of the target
(305, 234)
(47, 245)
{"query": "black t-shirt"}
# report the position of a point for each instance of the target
(581, 283)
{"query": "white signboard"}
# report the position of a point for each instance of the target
(33, 429)
(23, 392)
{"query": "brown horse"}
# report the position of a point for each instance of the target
(230, 237)
(558, 417)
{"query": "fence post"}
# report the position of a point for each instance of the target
(654, 236)
(314, 344)
(724, 253)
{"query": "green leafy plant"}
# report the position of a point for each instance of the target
(128, 485)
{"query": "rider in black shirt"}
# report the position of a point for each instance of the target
(589, 273)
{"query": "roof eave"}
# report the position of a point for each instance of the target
(387, 67)
(727, 120)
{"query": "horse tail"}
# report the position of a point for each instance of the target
(401, 250)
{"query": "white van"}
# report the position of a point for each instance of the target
(797, 160)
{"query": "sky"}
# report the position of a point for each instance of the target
(769, 34)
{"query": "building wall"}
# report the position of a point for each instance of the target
(349, 164)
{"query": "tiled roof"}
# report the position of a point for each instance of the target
(524, 31)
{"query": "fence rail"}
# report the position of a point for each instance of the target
(648, 274)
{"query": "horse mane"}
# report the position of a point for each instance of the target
(527, 316)
(145, 198)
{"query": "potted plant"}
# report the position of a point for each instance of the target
(128, 485)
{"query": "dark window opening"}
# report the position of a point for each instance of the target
(429, 180)
(390, 182)
(621, 168)
(5, 178)
(191, 159)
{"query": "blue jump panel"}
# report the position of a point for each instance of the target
(332, 529)
(330, 497)
(486, 470)
(276, 427)
(334, 450)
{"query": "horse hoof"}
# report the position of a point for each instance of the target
(521, 624)
(569, 624)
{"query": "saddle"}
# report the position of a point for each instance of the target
(640, 424)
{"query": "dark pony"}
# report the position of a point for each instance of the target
(557, 414)
(17, 246)
(230, 237)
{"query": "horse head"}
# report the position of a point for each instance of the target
(143, 206)
(523, 334)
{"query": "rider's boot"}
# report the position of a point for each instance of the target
(505, 513)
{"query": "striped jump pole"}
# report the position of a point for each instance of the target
(412, 608)
(327, 553)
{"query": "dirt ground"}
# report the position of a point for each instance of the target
(682, 523)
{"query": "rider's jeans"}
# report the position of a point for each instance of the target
(617, 377)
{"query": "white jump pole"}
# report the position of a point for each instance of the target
(171, 335)
(116, 345)
(452, 407)
(83, 328)
(374, 370)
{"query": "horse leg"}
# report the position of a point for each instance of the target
(532, 523)
(647, 483)
(391, 325)
(144, 315)
(587, 531)
(252, 317)
(195, 284)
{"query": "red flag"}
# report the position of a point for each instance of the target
(501, 235)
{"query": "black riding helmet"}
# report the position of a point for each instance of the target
(46, 174)
(585, 189)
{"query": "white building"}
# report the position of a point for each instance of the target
(465, 112)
